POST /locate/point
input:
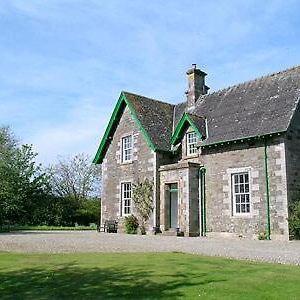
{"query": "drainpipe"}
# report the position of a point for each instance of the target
(202, 204)
(267, 191)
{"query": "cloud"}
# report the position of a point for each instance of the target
(79, 132)
(64, 62)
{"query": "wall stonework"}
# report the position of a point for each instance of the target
(115, 172)
(292, 147)
(221, 163)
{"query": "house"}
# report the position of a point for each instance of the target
(225, 163)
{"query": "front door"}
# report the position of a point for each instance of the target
(173, 205)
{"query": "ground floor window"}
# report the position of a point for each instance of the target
(126, 198)
(240, 193)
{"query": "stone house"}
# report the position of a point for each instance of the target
(225, 163)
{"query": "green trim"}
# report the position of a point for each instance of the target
(267, 191)
(178, 131)
(243, 139)
(112, 124)
(202, 188)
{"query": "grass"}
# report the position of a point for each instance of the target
(142, 276)
(44, 228)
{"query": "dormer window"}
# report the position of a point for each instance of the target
(127, 148)
(191, 143)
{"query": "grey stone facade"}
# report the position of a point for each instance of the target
(115, 172)
(206, 204)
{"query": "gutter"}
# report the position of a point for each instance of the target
(267, 189)
(202, 200)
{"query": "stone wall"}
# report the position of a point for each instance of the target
(292, 147)
(115, 172)
(220, 163)
(185, 174)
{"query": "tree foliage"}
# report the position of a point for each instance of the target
(142, 196)
(61, 196)
(294, 220)
(22, 182)
(75, 177)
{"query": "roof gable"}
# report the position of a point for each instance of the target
(150, 116)
(196, 122)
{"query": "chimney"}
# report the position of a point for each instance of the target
(196, 85)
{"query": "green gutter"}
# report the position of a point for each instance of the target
(242, 139)
(202, 200)
(267, 191)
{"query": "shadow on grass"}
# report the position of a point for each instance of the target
(71, 282)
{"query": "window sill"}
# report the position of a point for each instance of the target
(126, 162)
(191, 156)
(242, 216)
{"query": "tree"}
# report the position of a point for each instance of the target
(78, 182)
(22, 182)
(142, 196)
(75, 177)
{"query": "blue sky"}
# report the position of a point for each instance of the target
(63, 63)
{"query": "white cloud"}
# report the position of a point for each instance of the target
(80, 132)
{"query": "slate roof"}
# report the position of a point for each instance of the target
(254, 108)
(156, 118)
(257, 107)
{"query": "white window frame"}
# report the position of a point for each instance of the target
(126, 198)
(191, 147)
(127, 148)
(241, 191)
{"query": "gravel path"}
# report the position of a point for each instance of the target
(87, 241)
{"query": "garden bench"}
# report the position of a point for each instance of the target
(110, 226)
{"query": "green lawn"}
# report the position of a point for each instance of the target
(142, 276)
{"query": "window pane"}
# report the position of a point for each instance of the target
(241, 178)
(127, 148)
(241, 192)
(247, 198)
(242, 198)
(247, 208)
(243, 208)
(246, 177)
(191, 142)
(247, 188)
(236, 178)
(242, 189)
(236, 188)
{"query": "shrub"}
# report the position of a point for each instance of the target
(294, 220)
(131, 224)
(143, 202)
(262, 236)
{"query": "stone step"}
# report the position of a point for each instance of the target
(170, 232)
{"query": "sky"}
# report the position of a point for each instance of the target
(63, 63)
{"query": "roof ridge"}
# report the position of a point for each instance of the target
(156, 100)
(249, 81)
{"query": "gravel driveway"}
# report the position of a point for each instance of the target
(87, 241)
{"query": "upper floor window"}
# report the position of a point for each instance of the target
(241, 193)
(191, 143)
(126, 198)
(127, 148)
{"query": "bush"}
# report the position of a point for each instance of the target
(294, 220)
(131, 224)
(262, 236)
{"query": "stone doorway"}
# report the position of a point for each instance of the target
(173, 206)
